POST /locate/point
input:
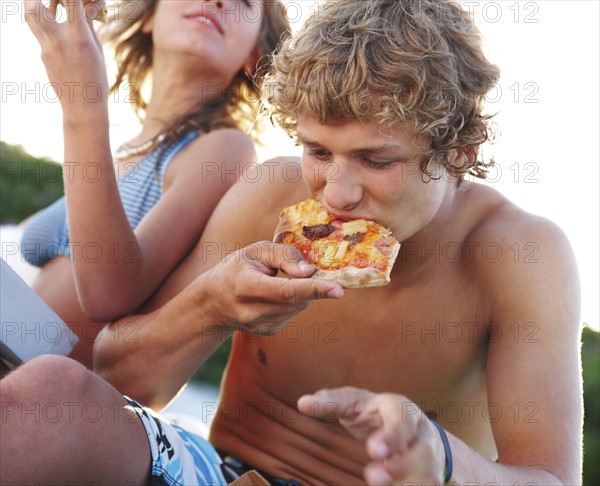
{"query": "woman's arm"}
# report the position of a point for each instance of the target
(115, 268)
(131, 265)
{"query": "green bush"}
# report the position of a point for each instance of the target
(590, 353)
(212, 369)
(27, 184)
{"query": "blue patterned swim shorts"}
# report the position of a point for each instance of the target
(179, 458)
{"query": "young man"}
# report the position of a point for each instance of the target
(386, 98)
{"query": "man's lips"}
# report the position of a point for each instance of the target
(343, 217)
(346, 218)
(208, 19)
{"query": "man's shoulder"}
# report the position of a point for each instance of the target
(274, 184)
(247, 213)
(500, 222)
(518, 255)
(251, 207)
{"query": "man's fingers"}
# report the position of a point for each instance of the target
(304, 290)
(416, 462)
(266, 259)
(340, 403)
(297, 291)
(376, 475)
(279, 257)
(401, 420)
(293, 263)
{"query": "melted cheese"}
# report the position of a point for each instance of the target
(353, 227)
(307, 213)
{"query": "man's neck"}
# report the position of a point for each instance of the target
(443, 234)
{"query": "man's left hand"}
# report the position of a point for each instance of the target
(402, 443)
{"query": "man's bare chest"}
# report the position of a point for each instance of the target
(418, 338)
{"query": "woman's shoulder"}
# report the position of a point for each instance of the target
(218, 155)
(226, 141)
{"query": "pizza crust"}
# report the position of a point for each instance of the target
(354, 278)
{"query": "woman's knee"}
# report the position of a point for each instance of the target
(47, 377)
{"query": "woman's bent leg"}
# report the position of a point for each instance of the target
(61, 422)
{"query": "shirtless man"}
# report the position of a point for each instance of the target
(386, 99)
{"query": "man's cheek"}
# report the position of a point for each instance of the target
(311, 173)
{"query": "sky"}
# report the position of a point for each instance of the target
(547, 105)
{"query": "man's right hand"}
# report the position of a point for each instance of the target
(246, 295)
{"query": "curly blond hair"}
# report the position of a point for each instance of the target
(236, 107)
(418, 63)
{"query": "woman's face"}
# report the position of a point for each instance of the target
(221, 35)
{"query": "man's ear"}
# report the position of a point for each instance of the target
(462, 156)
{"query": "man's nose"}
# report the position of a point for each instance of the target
(343, 190)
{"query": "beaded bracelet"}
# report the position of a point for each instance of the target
(447, 451)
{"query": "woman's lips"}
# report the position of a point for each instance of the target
(206, 19)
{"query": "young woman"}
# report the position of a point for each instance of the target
(106, 247)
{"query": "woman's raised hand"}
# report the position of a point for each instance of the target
(71, 52)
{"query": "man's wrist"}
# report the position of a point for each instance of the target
(447, 452)
(207, 309)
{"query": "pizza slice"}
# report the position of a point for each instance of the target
(357, 253)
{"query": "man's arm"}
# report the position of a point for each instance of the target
(534, 366)
(242, 293)
(133, 353)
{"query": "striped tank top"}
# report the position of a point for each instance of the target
(46, 236)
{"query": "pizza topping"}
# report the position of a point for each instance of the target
(341, 251)
(386, 246)
(354, 238)
(355, 226)
(336, 223)
(329, 255)
(318, 231)
(285, 237)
